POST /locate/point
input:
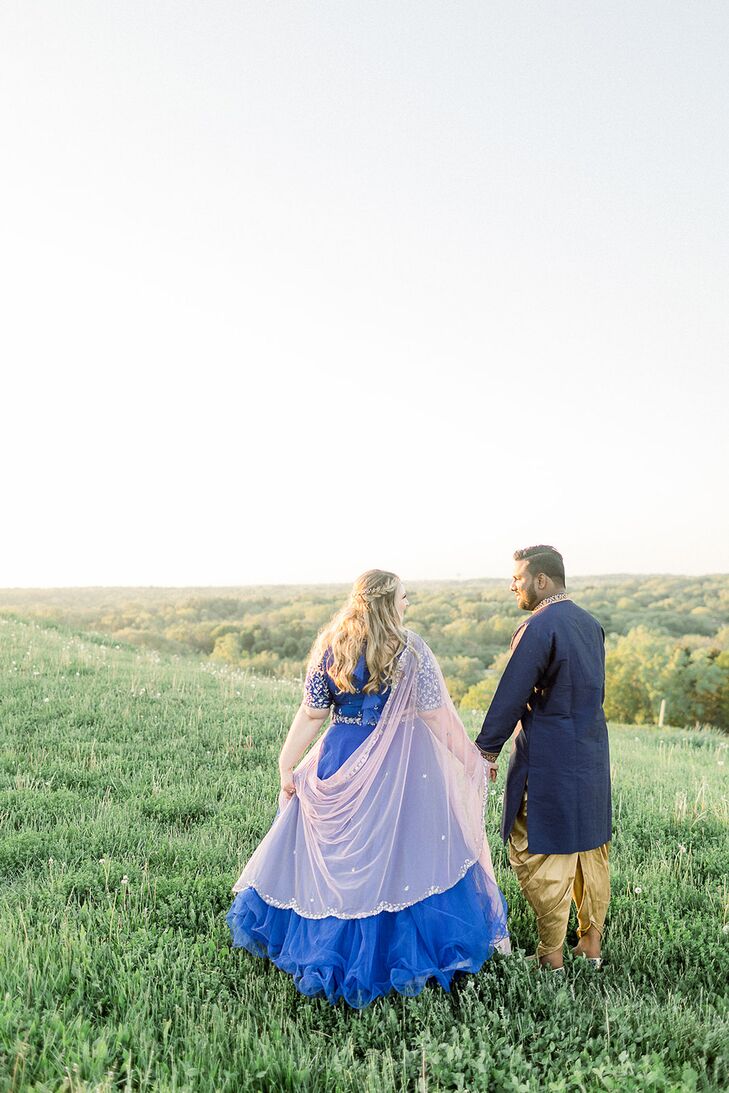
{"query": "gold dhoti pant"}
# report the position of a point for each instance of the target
(551, 881)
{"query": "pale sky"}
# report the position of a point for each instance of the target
(293, 289)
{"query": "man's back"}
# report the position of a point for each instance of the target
(555, 683)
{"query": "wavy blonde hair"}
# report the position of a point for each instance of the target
(368, 621)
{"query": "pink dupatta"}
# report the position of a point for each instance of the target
(401, 820)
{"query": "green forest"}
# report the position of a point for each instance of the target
(667, 636)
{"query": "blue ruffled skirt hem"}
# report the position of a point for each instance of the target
(363, 958)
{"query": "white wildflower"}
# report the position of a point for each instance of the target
(124, 880)
(681, 848)
(637, 889)
(725, 928)
(51, 861)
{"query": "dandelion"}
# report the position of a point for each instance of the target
(125, 880)
(102, 861)
(637, 889)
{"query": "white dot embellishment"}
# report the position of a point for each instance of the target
(442, 838)
(407, 887)
(425, 776)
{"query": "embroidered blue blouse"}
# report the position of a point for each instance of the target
(359, 710)
(320, 692)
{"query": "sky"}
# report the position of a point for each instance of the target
(295, 289)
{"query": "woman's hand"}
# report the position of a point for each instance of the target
(288, 789)
(304, 728)
(492, 771)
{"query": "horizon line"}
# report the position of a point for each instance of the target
(340, 583)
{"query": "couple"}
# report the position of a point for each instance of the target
(376, 873)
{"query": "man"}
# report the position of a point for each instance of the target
(557, 809)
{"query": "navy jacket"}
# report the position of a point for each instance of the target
(554, 684)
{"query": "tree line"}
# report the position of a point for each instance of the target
(667, 636)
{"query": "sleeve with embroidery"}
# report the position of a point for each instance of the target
(317, 695)
(428, 694)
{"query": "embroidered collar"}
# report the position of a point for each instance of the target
(550, 599)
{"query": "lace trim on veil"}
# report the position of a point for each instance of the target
(333, 912)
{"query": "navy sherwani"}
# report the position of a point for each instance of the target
(554, 684)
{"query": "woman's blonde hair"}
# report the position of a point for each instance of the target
(367, 623)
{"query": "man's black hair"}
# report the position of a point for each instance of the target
(542, 559)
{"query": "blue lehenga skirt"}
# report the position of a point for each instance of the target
(361, 959)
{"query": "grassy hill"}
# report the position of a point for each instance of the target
(134, 784)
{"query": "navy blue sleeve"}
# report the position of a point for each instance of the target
(516, 686)
(317, 695)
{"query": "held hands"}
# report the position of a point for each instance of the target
(490, 761)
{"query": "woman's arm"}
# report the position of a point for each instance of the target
(304, 730)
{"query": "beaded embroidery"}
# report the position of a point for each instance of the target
(550, 599)
(427, 688)
(317, 695)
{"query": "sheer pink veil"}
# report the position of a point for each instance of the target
(401, 820)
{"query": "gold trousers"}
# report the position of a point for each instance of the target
(551, 881)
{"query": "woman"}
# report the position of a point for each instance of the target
(376, 874)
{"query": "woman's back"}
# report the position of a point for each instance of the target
(354, 714)
(375, 874)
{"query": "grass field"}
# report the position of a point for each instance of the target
(132, 789)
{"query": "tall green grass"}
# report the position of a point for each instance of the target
(132, 789)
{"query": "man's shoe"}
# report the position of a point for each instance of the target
(593, 961)
(534, 962)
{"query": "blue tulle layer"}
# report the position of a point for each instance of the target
(360, 959)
